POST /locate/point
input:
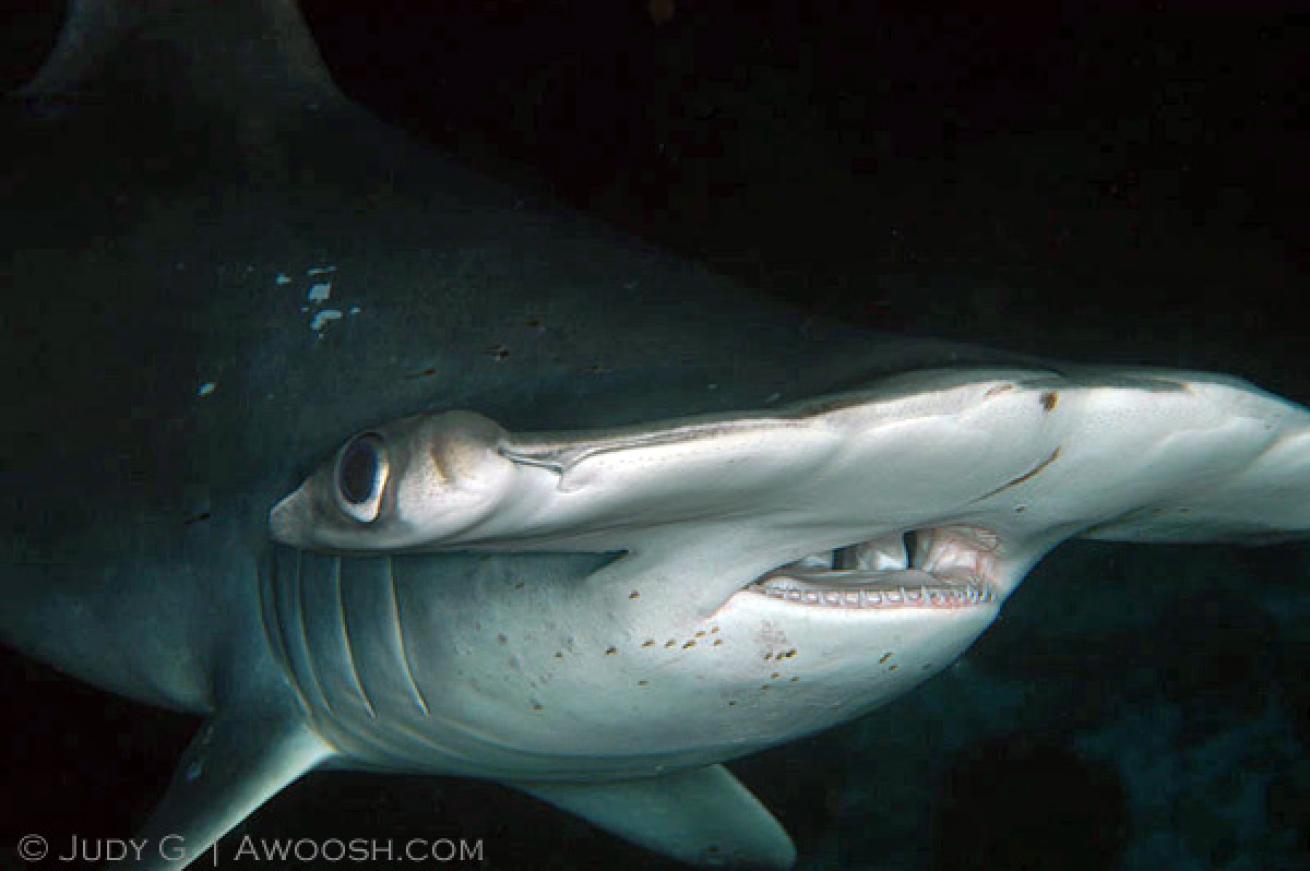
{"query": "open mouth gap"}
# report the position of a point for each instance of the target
(944, 567)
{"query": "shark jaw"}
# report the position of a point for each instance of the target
(949, 567)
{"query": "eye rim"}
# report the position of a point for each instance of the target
(369, 509)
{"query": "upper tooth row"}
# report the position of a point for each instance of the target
(880, 555)
(877, 598)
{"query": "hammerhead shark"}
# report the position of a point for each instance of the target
(397, 471)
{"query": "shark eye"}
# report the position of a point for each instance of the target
(362, 470)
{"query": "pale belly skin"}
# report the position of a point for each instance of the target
(486, 672)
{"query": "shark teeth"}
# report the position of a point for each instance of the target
(946, 596)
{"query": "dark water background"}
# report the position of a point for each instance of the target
(1119, 183)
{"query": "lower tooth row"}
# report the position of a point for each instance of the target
(878, 598)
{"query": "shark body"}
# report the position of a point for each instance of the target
(588, 550)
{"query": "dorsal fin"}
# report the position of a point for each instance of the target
(238, 54)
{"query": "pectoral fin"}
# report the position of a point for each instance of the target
(703, 817)
(238, 760)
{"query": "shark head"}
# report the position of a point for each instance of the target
(577, 587)
(777, 572)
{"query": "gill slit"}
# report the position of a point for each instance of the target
(310, 665)
(350, 647)
(404, 642)
(277, 626)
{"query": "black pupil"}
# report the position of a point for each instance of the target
(358, 471)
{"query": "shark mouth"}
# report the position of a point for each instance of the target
(946, 567)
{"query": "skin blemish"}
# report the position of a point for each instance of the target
(1050, 399)
(689, 644)
(610, 651)
(634, 595)
(649, 642)
(322, 319)
(886, 656)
